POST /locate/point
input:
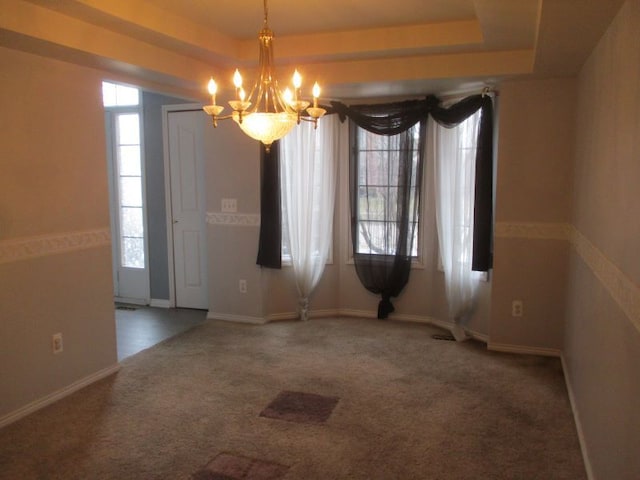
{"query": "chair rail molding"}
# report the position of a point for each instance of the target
(233, 219)
(25, 248)
(624, 291)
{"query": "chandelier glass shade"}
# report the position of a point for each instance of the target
(268, 113)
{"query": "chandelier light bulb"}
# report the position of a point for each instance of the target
(213, 89)
(316, 94)
(237, 79)
(288, 96)
(212, 86)
(297, 79)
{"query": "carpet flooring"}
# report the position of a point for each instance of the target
(402, 405)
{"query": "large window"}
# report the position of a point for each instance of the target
(380, 192)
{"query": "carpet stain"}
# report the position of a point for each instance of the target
(300, 407)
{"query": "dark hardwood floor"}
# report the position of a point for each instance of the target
(140, 327)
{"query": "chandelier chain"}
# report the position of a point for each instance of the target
(266, 12)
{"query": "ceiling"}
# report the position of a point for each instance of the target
(356, 49)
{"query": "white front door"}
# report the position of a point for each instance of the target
(186, 161)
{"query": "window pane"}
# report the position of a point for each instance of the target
(108, 94)
(131, 223)
(130, 192)
(128, 129)
(132, 252)
(374, 168)
(129, 160)
(127, 95)
(377, 237)
(371, 141)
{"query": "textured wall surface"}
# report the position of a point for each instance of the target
(533, 199)
(602, 339)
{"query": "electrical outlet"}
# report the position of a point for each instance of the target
(242, 286)
(56, 343)
(229, 205)
(517, 309)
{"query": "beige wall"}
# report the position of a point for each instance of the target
(55, 257)
(232, 166)
(533, 201)
(602, 338)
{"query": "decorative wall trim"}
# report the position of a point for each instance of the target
(233, 219)
(622, 289)
(524, 350)
(18, 249)
(536, 231)
(57, 395)
(229, 317)
(576, 417)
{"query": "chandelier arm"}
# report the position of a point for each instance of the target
(259, 94)
(251, 97)
(224, 117)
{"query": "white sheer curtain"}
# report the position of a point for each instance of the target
(453, 151)
(308, 182)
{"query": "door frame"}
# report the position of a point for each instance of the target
(166, 110)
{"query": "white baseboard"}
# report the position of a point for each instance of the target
(436, 322)
(57, 395)
(160, 303)
(345, 312)
(325, 313)
(278, 317)
(576, 418)
(348, 312)
(524, 350)
(229, 317)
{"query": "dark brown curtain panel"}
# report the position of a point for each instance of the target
(270, 242)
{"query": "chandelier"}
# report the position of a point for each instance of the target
(267, 114)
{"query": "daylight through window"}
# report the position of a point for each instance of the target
(379, 191)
